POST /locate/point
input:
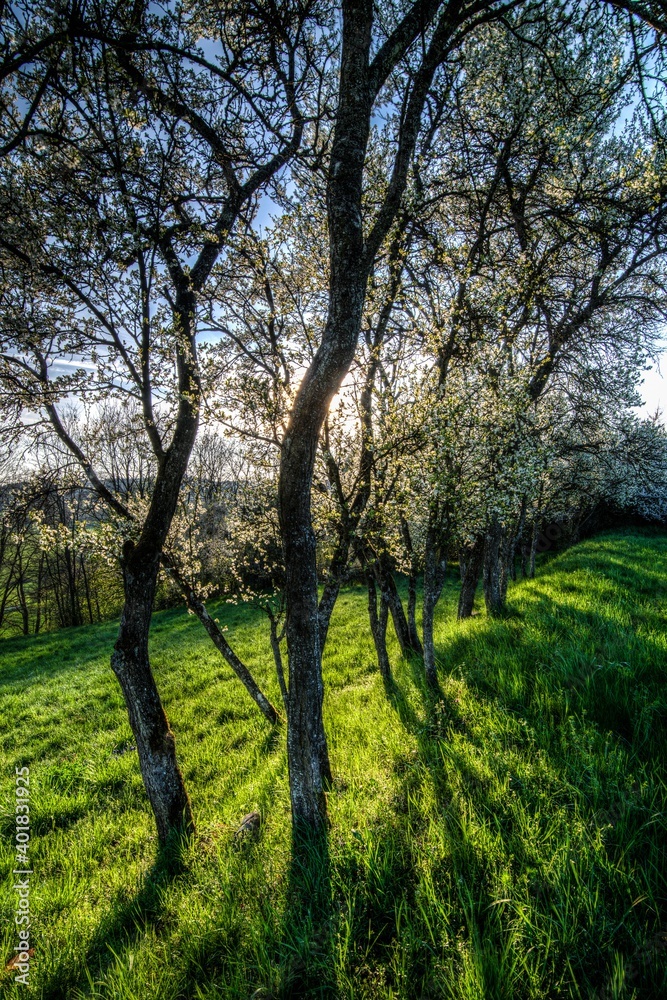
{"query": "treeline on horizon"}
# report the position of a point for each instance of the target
(50, 580)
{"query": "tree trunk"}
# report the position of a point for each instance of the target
(307, 751)
(412, 585)
(38, 609)
(471, 562)
(75, 614)
(327, 603)
(533, 549)
(9, 584)
(155, 740)
(412, 610)
(351, 256)
(197, 606)
(517, 541)
(278, 659)
(392, 598)
(506, 558)
(435, 566)
(86, 589)
(493, 571)
(524, 552)
(54, 575)
(378, 622)
(23, 603)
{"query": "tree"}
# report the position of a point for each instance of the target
(117, 210)
(423, 37)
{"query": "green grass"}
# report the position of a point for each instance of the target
(508, 840)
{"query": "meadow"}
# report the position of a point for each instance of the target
(504, 839)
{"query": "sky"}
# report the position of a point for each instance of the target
(654, 388)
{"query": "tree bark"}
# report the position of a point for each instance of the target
(278, 659)
(378, 622)
(155, 741)
(524, 552)
(533, 549)
(392, 598)
(86, 588)
(38, 609)
(307, 751)
(413, 635)
(23, 603)
(130, 662)
(498, 550)
(435, 566)
(493, 582)
(471, 562)
(517, 540)
(351, 257)
(506, 558)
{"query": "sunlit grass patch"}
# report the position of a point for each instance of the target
(507, 840)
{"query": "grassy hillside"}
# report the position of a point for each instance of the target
(507, 841)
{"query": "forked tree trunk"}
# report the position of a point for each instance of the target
(307, 753)
(409, 644)
(351, 256)
(435, 566)
(155, 740)
(471, 562)
(378, 622)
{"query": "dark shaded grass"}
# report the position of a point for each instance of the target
(506, 839)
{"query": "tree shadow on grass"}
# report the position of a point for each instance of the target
(583, 663)
(467, 887)
(438, 718)
(124, 923)
(577, 670)
(440, 712)
(306, 949)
